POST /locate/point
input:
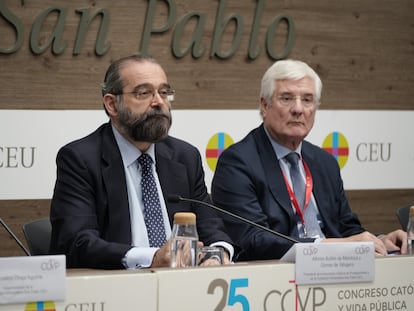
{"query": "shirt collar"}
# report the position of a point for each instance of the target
(282, 151)
(129, 152)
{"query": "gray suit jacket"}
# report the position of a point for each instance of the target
(90, 209)
(248, 181)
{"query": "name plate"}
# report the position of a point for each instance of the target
(32, 278)
(324, 263)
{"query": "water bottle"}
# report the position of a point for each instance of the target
(410, 232)
(184, 240)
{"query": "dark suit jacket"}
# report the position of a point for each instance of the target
(248, 181)
(90, 209)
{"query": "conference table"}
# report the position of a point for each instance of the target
(262, 285)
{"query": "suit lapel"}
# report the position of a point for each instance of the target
(171, 174)
(272, 169)
(113, 175)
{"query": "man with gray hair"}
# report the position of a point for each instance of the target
(278, 180)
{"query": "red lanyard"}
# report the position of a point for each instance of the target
(308, 193)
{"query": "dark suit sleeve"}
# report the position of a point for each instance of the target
(338, 218)
(239, 186)
(180, 170)
(210, 226)
(79, 214)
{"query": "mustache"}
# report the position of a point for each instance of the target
(153, 114)
(152, 126)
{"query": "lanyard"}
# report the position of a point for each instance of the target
(308, 192)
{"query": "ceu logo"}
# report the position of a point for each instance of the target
(337, 145)
(40, 306)
(216, 145)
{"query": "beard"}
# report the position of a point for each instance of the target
(152, 126)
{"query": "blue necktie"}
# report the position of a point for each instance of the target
(152, 207)
(312, 228)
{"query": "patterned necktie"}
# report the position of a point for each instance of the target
(152, 207)
(312, 228)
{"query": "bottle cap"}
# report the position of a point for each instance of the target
(184, 218)
(412, 211)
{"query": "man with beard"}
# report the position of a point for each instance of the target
(98, 210)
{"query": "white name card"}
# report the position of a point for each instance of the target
(32, 278)
(323, 263)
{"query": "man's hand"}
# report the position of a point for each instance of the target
(396, 241)
(162, 257)
(380, 249)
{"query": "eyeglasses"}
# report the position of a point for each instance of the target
(288, 100)
(148, 92)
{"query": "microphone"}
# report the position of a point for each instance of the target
(174, 198)
(14, 237)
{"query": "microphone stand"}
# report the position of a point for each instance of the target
(177, 198)
(14, 237)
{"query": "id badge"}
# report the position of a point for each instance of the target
(306, 233)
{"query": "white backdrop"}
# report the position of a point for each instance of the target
(381, 150)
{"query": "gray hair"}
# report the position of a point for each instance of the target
(288, 70)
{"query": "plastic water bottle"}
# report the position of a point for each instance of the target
(410, 232)
(184, 240)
